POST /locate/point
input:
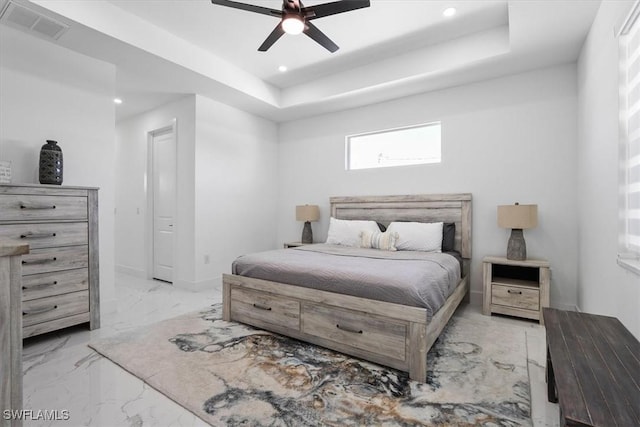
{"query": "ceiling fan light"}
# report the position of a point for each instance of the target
(449, 12)
(292, 25)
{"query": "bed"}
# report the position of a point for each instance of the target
(393, 334)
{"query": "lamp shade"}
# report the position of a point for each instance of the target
(517, 216)
(307, 213)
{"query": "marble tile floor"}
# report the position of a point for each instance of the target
(61, 373)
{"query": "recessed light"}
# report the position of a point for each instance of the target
(282, 68)
(449, 12)
(117, 101)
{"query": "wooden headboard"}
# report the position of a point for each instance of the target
(454, 208)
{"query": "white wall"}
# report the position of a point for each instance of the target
(236, 187)
(505, 140)
(604, 286)
(131, 190)
(226, 204)
(49, 92)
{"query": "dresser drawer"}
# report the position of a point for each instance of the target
(44, 285)
(47, 235)
(56, 307)
(30, 207)
(360, 330)
(513, 296)
(259, 308)
(55, 259)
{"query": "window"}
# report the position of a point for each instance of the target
(629, 256)
(411, 145)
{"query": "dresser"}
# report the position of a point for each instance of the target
(60, 277)
(516, 288)
(10, 329)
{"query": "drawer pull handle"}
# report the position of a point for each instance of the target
(511, 291)
(39, 285)
(39, 261)
(38, 207)
(342, 328)
(39, 311)
(262, 307)
(31, 235)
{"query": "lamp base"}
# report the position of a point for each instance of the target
(517, 248)
(307, 234)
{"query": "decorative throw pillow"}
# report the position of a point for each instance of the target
(377, 240)
(347, 232)
(418, 236)
(448, 236)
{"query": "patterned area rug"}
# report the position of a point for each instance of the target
(231, 374)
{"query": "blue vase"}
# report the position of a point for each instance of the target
(50, 170)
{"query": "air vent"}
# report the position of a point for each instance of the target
(18, 16)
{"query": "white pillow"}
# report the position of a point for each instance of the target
(418, 236)
(377, 240)
(347, 232)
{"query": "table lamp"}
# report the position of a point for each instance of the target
(517, 217)
(307, 213)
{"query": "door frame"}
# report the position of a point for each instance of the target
(148, 184)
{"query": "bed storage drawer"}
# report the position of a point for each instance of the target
(260, 308)
(356, 329)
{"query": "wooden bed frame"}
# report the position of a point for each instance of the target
(393, 335)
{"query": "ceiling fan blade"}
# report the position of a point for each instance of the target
(248, 7)
(327, 9)
(317, 35)
(273, 37)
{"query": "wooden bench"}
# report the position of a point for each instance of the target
(593, 369)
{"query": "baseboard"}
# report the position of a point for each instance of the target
(202, 285)
(476, 297)
(187, 285)
(135, 272)
(566, 307)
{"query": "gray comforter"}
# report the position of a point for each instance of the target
(419, 279)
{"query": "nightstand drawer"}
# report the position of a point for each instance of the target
(513, 296)
(30, 207)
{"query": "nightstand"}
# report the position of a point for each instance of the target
(515, 288)
(295, 244)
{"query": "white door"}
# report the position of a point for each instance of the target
(164, 195)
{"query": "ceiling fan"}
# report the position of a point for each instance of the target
(295, 18)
